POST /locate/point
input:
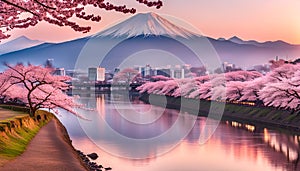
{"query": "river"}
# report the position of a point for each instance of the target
(129, 135)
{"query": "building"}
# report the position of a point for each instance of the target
(178, 73)
(49, 63)
(263, 69)
(148, 71)
(59, 71)
(96, 74)
(145, 71)
(229, 67)
(164, 72)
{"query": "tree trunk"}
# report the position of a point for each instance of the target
(32, 111)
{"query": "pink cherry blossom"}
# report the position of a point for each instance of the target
(126, 76)
(285, 91)
(234, 90)
(27, 13)
(37, 88)
(279, 88)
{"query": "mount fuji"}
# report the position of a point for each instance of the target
(148, 24)
(142, 36)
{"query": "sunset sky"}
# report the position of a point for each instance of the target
(248, 19)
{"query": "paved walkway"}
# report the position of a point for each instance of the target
(47, 151)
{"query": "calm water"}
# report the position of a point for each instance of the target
(132, 136)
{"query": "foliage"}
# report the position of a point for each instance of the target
(26, 13)
(14, 143)
(283, 94)
(126, 76)
(36, 87)
(279, 88)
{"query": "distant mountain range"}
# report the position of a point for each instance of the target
(141, 33)
(19, 43)
(268, 44)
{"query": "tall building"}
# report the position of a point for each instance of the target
(178, 73)
(49, 63)
(96, 74)
(59, 71)
(164, 72)
(148, 70)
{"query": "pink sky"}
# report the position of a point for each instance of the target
(248, 19)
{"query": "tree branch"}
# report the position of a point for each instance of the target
(43, 5)
(17, 6)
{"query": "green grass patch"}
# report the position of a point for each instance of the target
(291, 117)
(262, 113)
(14, 143)
(276, 116)
(14, 146)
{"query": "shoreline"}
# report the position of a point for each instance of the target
(50, 149)
(261, 116)
(69, 141)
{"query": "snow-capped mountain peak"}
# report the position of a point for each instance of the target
(147, 24)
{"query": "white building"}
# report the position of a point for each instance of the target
(96, 74)
(177, 73)
(59, 71)
(147, 70)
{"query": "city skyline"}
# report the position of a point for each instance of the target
(248, 20)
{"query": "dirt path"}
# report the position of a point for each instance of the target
(48, 150)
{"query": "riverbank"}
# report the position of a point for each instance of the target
(242, 113)
(17, 129)
(50, 149)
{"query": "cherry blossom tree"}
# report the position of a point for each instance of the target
(202, 79)
(234, 90)
(284, 71)
(160, 78)
(169, 87)
(281, 72)
(212, 89)
(126, 76)
(160, 87)
(242, 75)
(37, 88)
(279, 88)
(26, 13)
(184, 88)
(4, 83)
(147, 87)
(156, 87)
(276, 63)
(191, 86)
(251, 89)
(232, 85)
(204, 92)
(284, 93)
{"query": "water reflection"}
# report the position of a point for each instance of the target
(233, 146)
(120, 127)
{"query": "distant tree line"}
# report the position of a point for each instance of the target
(278, 88)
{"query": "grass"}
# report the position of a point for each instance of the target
(14, 142)
(13, 145)
(291, 117)
(262, 114)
